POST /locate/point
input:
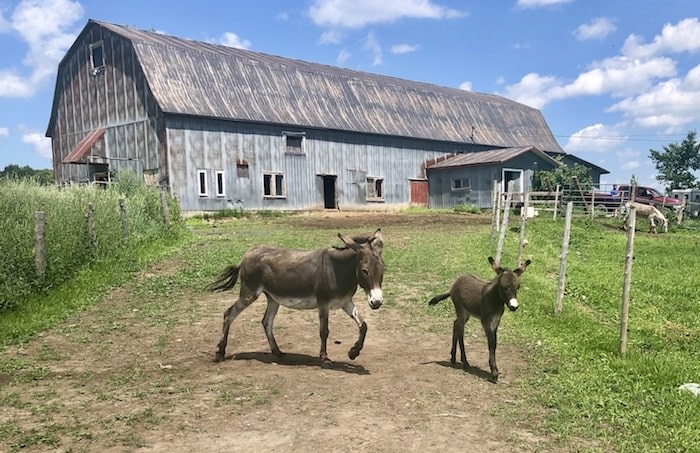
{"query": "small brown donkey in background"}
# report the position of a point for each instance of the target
(485, 300)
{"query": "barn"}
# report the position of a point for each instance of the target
(224, 128)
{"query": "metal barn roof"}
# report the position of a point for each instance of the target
(202, 79)
(495, 156)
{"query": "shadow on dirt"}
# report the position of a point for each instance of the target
(292, 359)
(476, 372)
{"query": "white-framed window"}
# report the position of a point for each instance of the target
(294, 142)
(463, 183)
(97, 56)
(274, 185)
(220, 183)
(202, 183)
(375, 189)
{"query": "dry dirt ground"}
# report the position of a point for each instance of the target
(119, 378)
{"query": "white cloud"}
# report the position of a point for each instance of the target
(598, 28)
(597, 138)
(360, 13)
(630, 165)
(331, 37)
(4, 132)
(671, 104)
(618, 76)
(41, 144)
(682, 37)
(372, 45)
(342, 57)
(541, 3)
(231, 39)
(466, 86)
(47, 28)
(404, 48)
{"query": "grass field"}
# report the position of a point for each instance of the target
(577, 387)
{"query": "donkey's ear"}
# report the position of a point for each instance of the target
(522, 267)
(349, 242)
(377, 241)
(496, 268)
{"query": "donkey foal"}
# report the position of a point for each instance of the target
(485, 300)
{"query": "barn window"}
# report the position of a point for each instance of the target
(220, 190)
(97, 56)
(375, 189)
(273, 185)
(242, 170)
(461, 183)
(202, 182)
(294, 142)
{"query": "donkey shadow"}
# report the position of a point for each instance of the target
(474, 371)
(294, 359)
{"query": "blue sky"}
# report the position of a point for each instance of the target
(612, 78)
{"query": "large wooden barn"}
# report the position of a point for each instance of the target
(223, 128)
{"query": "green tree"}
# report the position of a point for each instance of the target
(43, 177)
(676, 163)
(562, 175)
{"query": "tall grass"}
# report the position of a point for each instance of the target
(68, 245)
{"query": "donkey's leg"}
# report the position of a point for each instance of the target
(458, 337)
(267, 321)
(323, 310)
(245, 298)
(351, 310)
(490, 329)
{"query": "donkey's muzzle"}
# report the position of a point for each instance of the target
(512, 304)
(375, 298)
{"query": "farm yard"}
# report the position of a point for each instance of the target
(135, 370)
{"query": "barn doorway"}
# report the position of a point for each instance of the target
(419, 192)
(330, 196)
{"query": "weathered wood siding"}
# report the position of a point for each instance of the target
(212, 145)
(117, 99)
(479, 194)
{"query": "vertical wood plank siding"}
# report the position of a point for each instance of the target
(118, 99)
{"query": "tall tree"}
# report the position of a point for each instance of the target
(562, 175)
(676, 163)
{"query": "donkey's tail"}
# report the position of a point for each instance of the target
(438, 298)
(226, 281)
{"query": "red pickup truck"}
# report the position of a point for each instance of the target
(621, 194)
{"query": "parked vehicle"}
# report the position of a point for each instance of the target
(691, 199)
(614, 199)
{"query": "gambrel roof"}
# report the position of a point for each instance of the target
(207, 80)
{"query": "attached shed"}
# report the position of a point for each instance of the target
(467, 179)
(225, 128)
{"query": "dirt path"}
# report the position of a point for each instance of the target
(122, 377)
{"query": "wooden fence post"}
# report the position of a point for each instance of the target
(166, 209)
(523, 221)
(629, 257)
(125, 222)
(40, 245)
(504, 224)
(564, 254)
(556, 202)
(495, 211)
(92, 233)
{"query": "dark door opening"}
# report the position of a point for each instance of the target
(330, 196)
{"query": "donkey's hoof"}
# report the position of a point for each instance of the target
(219, 357)
(353, 353)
